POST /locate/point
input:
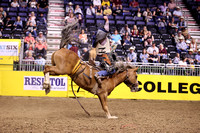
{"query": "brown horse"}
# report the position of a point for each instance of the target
(66, 62)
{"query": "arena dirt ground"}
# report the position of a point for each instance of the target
(52, 115)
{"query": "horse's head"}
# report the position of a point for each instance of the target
(131, 79)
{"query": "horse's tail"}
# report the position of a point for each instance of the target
(67, 34)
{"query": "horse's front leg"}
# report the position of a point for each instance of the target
(46, 84)
(103, 100)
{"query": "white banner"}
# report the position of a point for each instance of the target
(35, 83)
(9, 48)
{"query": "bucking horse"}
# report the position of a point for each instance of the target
(67, 62)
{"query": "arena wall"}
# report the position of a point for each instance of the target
(23, 83)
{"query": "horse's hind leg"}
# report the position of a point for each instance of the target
(103, 100)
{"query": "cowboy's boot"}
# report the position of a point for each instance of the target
(98, 79)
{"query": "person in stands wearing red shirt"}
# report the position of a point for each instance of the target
(134, 4)
(29, 42)
(40, 48)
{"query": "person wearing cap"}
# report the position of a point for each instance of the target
(42, 38)
(197, 57)
(132, 56)
(69, 7)
(190, 56)
(181, 24)
(90, 10)
(176, 38)
(181, 45)
(124, 30)
(177, 12)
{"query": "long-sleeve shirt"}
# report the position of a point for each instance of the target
(181, 45)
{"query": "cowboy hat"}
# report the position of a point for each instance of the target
(181, 38)
(70, 3)
(199, 50)
(132, 48)
(190, 50)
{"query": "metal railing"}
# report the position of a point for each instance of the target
(144, 68)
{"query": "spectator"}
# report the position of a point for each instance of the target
(80, 20)
(41, 20)
(99, 10)
(148, 39)
(197, 58)
(176, 58)
(144, 56)
(177, 12)
(83, 37)
(156, 13)
(40, 48)
(162, 52)
(8, 23)
(185, 32)
(124, 30)
(172, 23)
(31, 29)
(85, 54)
(90, 10)
(172, 4)
(162, 25)
(148, 17)
(42, 38)
(29, 42)
(40, 62)
(181, 45)
(105, 3)
(126, 39)
(167, 12)
(71, 19)
(168, 18)
(181, 24)
(23, 3)
(117, 11)
(43, 4)
(33, 4)
(117, 3)
(29, 55)
(188, 39)
(183, 63)
(14, 3)
(163, 7)
(132, 56)
(139, 14)
(69, 7)
(32, 19)
(193, 45)
(152, 48)
(18, 23)
(3, 12)
(134, 4)
(116, 38)
(75, 49)
(153, 58)
(190, 57)
(135, 31)
(1, 22)
(179, 35)
(78, 10)
(144, 31)
(107, 11)
(170, 67)
(97, 3)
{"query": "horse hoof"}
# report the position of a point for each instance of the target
(112, 117)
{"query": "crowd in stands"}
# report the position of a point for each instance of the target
(25, 19)
(143, 31)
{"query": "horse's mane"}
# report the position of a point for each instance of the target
(67, 34)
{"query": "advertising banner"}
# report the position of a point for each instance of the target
(9, 50)
(35, 83)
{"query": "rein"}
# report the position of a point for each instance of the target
(73, 76)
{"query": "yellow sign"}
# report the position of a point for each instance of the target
(162, 87)
(9, 50)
